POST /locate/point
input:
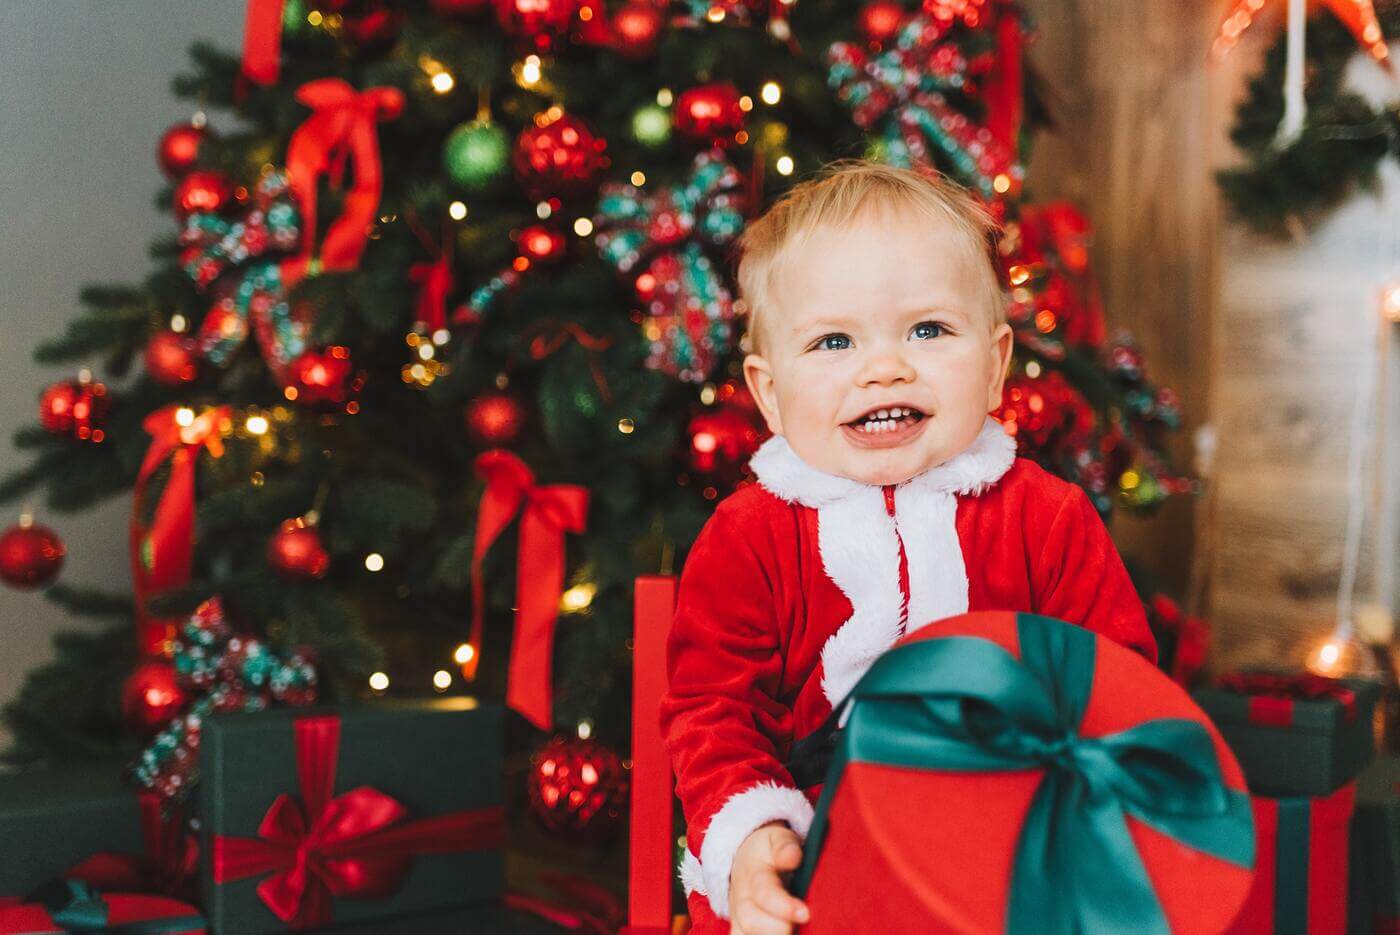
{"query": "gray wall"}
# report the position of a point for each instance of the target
(84, 96)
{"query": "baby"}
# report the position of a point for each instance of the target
(886, 499)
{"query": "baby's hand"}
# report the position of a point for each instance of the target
(758, 903)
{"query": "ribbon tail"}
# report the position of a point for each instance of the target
(161, 555)
(498, 504)
(538, 584)
(347, 236)
(262, 41)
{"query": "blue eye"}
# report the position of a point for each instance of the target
(928, 329)
(823, 346)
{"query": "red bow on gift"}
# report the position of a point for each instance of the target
(547, 512)
(357, 844)
(168, 866)
(342, 126)
(1272, 695)
(161, 553)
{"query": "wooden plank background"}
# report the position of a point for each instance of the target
(1263, 340)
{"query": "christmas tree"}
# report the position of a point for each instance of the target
(441, 351)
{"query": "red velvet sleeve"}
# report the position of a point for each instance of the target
(1079, 577)
(720, 715)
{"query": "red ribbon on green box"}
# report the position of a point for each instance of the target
(1272, 696)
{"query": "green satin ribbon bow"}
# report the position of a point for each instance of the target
(76, 907)
(966, 704)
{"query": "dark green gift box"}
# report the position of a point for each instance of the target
(51, 820)
(1304, 743)
(345, 815)
(1374, 904)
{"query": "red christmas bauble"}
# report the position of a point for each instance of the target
(171, 359)
(880, 20)
(30, 555)
(151, 698)
(722, 439)
(636, 29)
(203, 191)
(710, 114)
(75, 408)
(322, 377)
(296, 551)
(542, 24)
(577, 786)
(560, 159)
(457, 9)
(541, 243)
(179, 149)
(375, 29)
(495, 419)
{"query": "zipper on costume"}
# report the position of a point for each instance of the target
(903, 561)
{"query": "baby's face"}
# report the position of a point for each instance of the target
(885, 315)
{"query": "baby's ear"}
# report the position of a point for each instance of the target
(1003, 345)
(758, 374)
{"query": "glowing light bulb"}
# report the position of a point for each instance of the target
(464, 654)
(771, 92)
(256, 425)
(442, 680)
(784, 165)
(184, 417)
(374, 561)
(443, 82)
(583, 227)
(457, 210)
(379, 681)
(585, 729)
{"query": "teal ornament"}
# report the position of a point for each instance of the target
(475, 154)
(651, 125)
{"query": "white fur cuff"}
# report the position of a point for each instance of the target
(736, 820)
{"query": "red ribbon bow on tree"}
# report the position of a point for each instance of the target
(1273, 695)
(161, 553)
(318, 845)
(342, 126)
(262, 41)
(547, 512)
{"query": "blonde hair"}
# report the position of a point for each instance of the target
(836, 195)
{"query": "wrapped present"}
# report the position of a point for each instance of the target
(73, 906)
(88, 822)
(1295, 735)
(1010, 772)
(350, 815)
(1300, 887)
(1374, 873)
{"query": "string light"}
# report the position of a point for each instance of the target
(178, 323)
(746, 103)
(1033, 369)
(374, 562)
(577, 598)
(543, 210)
(442, 680)
(639, 178)
(664, 97)
(528, 72)
(184, 417)
(585, 729)
(256, 425)
(771, 92)
(379, 681)
(443, 83)
(464, 654)
(457, 210)
(784, 165)
(625, 426)
(583, 227)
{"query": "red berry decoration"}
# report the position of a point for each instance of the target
(879, 21)
(75, 408)
(30, 555)
(542, 244)
(541, 24)
(203, 191)
(636, 29)
(323, 377)
(560, 159)
(458, 9)
(179, 149)
(577, 786)
(171, 359)
(495, 419)
(151, 697)
(710, 114)
(296, 551)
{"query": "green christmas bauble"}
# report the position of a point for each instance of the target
(476, 153)
(651, 125)
(293, 17)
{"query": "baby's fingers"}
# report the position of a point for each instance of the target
(777, 902)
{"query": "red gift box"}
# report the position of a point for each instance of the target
(1301, 884)
(73, 906)
(1091, 795)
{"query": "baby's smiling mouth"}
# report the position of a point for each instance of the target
(886, 419)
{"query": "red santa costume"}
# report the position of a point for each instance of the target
(798, 582)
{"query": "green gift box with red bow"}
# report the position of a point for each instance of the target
(1295, 734)
(329, 816)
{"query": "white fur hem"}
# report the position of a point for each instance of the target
(736, 820)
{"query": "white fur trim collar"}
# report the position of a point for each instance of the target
(860, 542)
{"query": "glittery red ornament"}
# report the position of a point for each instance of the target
(30, 555)
(541, 243)
(458, 9)
(322, 377)
(1045, 411)
(560, 159)
(722, 439)
(151, 697)
(296, 551)
(495, 419)
(202, 191)
(179, 149)
(880, 21)
(636, 29)
(710, 114)
(171, 359)
(542, 24)
(577, 787)
(75, 408)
